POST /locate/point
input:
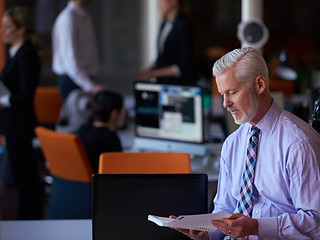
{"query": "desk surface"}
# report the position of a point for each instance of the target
(46, 230)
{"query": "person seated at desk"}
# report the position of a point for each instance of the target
(99, 136)
(270, 166)
(175, 47)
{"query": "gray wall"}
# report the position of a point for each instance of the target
(118, 30)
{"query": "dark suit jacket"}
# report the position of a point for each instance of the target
(21, 75)
(178, 49)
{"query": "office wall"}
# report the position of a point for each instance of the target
(119, 27)
(125, 33)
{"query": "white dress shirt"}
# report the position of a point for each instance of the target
(74, 46)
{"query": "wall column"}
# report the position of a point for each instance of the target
(251, 9)
(251, 31)
(151, 23)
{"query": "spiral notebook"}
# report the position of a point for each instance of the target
(200, 222)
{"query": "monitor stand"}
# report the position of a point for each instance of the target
(149, 144)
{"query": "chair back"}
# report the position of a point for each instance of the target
(47, 104)
(144, 162)
(65, 155)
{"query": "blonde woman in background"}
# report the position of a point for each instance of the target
(21, 76)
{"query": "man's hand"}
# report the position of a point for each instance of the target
(144, 76)
(193, 234)
(97, 88)
(237, 226)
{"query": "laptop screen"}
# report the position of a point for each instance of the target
(122, 203)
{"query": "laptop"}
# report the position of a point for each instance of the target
(122, 203)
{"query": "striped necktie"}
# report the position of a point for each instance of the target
(245, 202)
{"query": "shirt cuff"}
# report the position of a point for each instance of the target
(176, 70)
(5, 100)
(217, 234)
(87, 86)
(268, 227)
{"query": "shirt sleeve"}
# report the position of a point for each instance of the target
(216, 235)
(176, 70)
(5, 100)
(224, 201)
(304, 174)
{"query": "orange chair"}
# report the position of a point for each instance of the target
(71, 170)
(47, 104)
(144, 162)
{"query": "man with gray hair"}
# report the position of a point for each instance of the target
(269, 168)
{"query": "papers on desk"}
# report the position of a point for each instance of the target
(200, 222)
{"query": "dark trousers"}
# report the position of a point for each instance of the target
(25, 173)
(66, 85)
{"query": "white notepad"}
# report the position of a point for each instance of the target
(200, 222)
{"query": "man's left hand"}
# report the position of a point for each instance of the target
(237, 225)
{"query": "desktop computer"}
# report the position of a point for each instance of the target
(169, 117)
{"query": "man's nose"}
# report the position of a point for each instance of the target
(226, 102)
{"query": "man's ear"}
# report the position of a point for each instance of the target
(113, 113)
(260, 84)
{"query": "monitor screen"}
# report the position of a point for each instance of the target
(170, 113)
(122, 203)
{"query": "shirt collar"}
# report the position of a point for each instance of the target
(270, 119)
(74, 6)
(14, 49)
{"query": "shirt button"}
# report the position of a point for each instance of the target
(257, 212)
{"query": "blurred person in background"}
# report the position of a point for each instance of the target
(75, 56)
(100, 135)
(21, 76)
(175, 61)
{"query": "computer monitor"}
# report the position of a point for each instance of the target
(169, 117)
(122, 203)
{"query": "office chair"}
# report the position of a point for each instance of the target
(3, 171)
(144, 162)
(71, 170)
(47, 105)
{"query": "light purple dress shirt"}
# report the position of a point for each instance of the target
(287, 177)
